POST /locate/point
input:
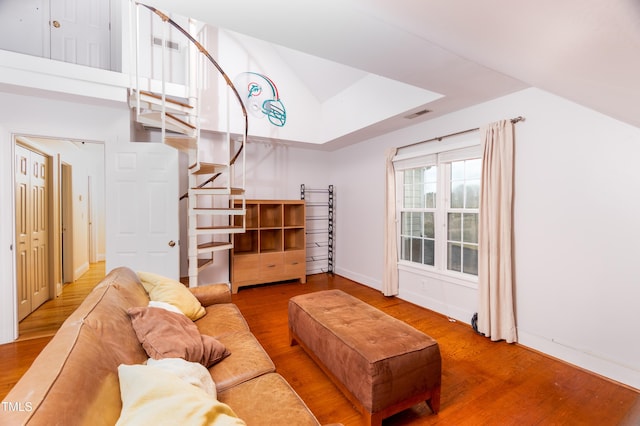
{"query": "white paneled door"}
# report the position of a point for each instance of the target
(80, 32)
(32, 230)
(143, 205)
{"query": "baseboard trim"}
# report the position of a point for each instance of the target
(594, 363)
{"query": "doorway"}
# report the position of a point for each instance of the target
(66, 215)
(74, 215)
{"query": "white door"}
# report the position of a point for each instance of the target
(142, 205)
(80, 32)
(32, 230)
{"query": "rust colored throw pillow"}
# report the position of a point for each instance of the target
(165, 334)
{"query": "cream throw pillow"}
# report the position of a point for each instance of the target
(152, 396)
(163, 289)
(193, 373)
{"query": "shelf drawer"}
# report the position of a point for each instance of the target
(295, 263)
(271, 266)
(246, 267)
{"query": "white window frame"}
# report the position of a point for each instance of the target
(442, 159)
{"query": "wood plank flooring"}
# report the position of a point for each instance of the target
(48, 318)
(484, 383)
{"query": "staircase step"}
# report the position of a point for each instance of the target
(153, 101)
(218, 230)
(172, 123)
(208, 168)
(203, 263)
(217, 191)
(181, 143)
(226, 211)
(212, 246)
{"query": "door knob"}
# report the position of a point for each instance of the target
(172, 243)
(56, 24)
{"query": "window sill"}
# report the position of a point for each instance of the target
(450, 277)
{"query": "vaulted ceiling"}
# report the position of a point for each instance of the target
(587, 51)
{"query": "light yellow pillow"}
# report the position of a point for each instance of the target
(193, 373)
(163, 289)
(153, 396)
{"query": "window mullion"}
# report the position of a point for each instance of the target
(443, 200)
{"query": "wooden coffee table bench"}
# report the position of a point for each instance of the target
(380, 363)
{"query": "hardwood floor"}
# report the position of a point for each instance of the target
(48, 318)
(483, 383)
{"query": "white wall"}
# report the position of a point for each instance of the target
(274, 171)
(42, 116)
(576, 285)
(576, 228)
(239, 54)
(8, 325)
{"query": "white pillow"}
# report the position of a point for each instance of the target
(153, 396)
(164, 305)
(193, 373)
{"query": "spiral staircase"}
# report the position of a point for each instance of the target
(215, 189)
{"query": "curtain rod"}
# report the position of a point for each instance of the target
(462, 132)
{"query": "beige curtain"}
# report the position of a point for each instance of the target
(390, 273)
(496, 318)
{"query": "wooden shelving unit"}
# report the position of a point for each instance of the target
(273, 248)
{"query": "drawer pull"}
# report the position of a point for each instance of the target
(271, 266)
(294, 263)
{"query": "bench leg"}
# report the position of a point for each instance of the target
(292, 338)
(372, 419)
(434, 401)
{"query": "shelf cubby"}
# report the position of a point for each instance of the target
(294, 215)
(294, 239)
(270, 215)
(246, 243)
(270, 240)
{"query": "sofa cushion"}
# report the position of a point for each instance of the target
(152, 396)
(163, 289)
(165, 334)
(251, 361)
(276, 397)
(222, 319)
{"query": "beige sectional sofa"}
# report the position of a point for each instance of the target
(75, 379)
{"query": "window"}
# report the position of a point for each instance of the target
(439, 211)
(462, 216)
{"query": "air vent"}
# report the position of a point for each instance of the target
(417, 114)
(157, 41)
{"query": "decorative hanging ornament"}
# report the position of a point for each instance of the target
(261, 98)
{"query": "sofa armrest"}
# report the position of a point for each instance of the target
(211, 294)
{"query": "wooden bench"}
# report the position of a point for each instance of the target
(380, 363)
